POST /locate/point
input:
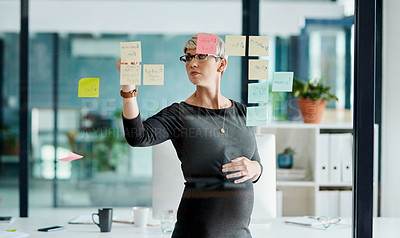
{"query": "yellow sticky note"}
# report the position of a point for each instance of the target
(258, 69)
(131, 52)
(258, 45)
(88, 88)
(153, 74)
(130, 74)
(235, 45)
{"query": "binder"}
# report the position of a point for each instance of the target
(279, 203)
(327, 203)
(322, 203)
(323, 160)
(335, 160)
(333, 204)
(346, 204)
(347, 159)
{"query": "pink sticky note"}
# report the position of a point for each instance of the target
(70, 157)
(206, 44)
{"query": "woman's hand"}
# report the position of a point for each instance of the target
(125, 88)
(244, 168)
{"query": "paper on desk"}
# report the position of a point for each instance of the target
(87, 219)
(7, 234)
(309, 222)
(70, 157)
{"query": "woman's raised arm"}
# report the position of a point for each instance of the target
(130, 107)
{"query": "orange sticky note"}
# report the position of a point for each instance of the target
(71, 157)
(206, 44)
(88, 87)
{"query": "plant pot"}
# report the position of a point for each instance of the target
(310, 110)
(285, 161)
(293, 110)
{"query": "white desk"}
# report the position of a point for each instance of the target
(383, 227)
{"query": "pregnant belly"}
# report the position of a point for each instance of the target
(220, 212)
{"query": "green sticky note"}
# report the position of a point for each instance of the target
(88, 88)
(258, 92)
(257, 116)
(282, 82)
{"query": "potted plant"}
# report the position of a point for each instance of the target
(285, 159)
(312, 96)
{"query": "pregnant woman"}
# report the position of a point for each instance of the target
(218, 153)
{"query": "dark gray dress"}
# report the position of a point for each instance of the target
(211, 205)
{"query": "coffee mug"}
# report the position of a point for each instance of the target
(105, 219)
(140, 216)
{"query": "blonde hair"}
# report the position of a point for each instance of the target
(192, 44)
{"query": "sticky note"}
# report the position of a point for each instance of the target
(235, 45)
(258, 45)
(131, 52)
(256, 116)
(282, 82)
(258, 92)
(130, 74)
(70, 157)
(88, 88)
(153, 74)
(258, 69)
(206, 44)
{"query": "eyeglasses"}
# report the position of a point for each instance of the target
(326, 222)
(199, 57)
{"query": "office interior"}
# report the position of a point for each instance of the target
(70, 40)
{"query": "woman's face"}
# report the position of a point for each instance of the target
(205, 72)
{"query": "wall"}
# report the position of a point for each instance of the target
(390, 109)
(149, 17)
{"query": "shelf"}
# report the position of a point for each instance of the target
(335, 185)
(295, 183)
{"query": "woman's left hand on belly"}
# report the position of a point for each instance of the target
(244, 168)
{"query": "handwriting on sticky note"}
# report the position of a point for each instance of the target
(153, 74)
(235, 45)
(71, 157)
(131, 52)
(130, 74)
(258, 92)
(282, 82)
(88, 87)
(258, 69)
(256, 116)
(206, 44)
(258, 45)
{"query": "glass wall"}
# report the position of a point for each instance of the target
(68, 42)
(9, 103)
(111, 173)
(317, 45)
